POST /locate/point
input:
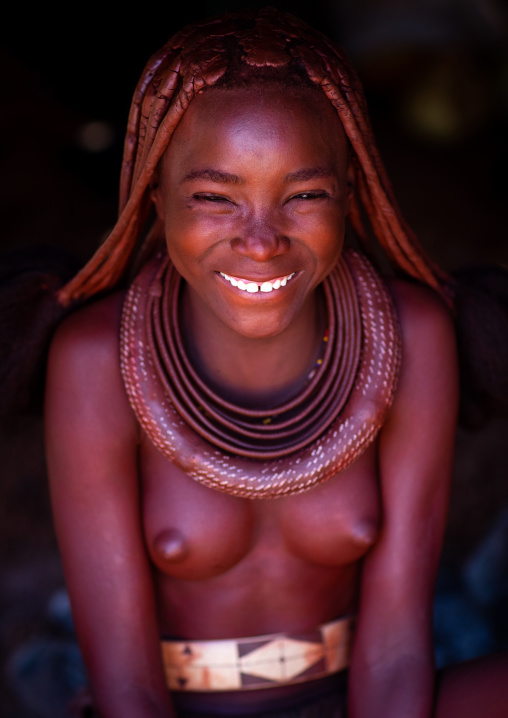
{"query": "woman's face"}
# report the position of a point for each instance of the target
(253, 192)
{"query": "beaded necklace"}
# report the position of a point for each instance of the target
(249, 452)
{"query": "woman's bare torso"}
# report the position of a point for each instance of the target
(231, 567)
(223, 566)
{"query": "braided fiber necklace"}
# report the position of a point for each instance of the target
(284, 450)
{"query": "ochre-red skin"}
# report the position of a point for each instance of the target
(147, 550)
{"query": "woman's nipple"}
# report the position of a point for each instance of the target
(170, 545)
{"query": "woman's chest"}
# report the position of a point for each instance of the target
(193, 532)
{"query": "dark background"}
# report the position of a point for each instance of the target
(436, 77)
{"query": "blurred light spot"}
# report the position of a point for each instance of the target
(450, 102)
(96, 136)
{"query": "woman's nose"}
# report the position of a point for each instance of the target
(260, 241)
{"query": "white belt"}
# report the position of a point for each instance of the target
(258, 662)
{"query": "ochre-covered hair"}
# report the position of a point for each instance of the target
(203, 56)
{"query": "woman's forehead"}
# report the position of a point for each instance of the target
(227, 125)
(271, 106)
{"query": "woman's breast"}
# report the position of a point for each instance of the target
(195, 533)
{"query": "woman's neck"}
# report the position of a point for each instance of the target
(256, 373)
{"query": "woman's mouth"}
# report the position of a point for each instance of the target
(247, 285)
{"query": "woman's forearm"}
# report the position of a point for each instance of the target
(403, 689)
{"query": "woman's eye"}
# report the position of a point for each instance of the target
(210, 198)
(310, 195)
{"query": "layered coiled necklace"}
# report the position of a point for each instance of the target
(289, 448)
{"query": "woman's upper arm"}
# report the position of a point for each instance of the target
(415, 464)
(91, 444)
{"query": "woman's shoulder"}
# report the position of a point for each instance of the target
(90, 331)
(429, 366)
(84, 355)
(423, 315)
(85, 393)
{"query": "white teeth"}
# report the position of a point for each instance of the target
(254, 287)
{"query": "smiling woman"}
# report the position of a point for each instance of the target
(250, 438)
(251, 189)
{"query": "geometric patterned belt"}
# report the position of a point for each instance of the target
(259, 662)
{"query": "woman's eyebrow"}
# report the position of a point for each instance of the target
(213, 175)
(308, 173)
